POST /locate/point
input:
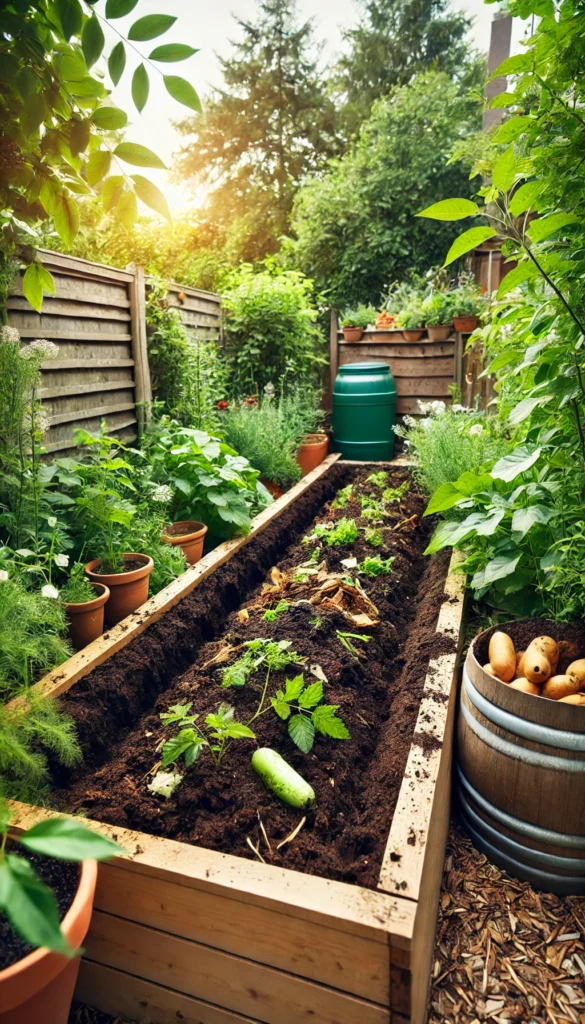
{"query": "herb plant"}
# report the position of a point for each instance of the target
(301, 706)
(78, 589)
(391, 495)
(271, 614)
(374, 537)
(360, 316)
(343, 497)
(345, 532)
(379, 478)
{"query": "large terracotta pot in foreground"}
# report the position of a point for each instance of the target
(312, 452)
(189, 535)
(128, 590)
(86, 619)
(39, 988)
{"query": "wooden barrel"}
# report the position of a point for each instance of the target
(520, 772)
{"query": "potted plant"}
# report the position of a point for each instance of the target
(467, 305)
(106, 516)
(40, 947)
(412, 322)
(438, 316)
(189, 535)
(354, 321)
(84, 603)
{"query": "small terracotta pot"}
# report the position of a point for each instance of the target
(189, 535)
(86, 619)
(275, 489)
(465, 324)
(128, 590)
(39, 988)
(312, 452)
(353, 333)
(439, 333)
(414, 335)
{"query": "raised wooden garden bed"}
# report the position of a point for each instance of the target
(185, 933)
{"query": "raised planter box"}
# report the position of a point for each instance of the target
(187, 934)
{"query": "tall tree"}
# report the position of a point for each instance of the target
(269, 127)
(394, 40)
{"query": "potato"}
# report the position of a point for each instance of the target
(549, 647)
(526, 686)
(558, 687)
(488, 668)
(577, 669)
(502, 656)
(537, 667)
(574, 698)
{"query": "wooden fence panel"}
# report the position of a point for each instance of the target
(97, 318)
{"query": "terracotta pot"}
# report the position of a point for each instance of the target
(128, 590)
(414, 335)
(86, 619)
(312, 452)
(353, 333)
(275, 489)
(465, 324)
(439, 333)
(189, 535)
(39, 988)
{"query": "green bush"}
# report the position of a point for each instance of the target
(270, 332)
(269, 434)
(361, 316)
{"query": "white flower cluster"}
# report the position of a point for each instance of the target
(8, 334)
(3, 575)
(62, 561)
(40, 349)
(165, 784)
(476, 430)
(162, 493)
(49, 591)
(432, 408)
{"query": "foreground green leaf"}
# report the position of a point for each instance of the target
(30, 906)
(182, 91)
(139, 156)
(451, 209)
(151, 26)
(466, 242)
(68, 839)
(172, 52)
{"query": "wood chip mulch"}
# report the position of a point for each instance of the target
(504, 952)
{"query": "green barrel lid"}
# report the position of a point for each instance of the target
(364, 368)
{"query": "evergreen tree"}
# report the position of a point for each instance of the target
(393, 41)
(269, 127)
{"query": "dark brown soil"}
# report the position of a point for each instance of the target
(130, 565)
(117, 707)
(63, 878)
(570, 637)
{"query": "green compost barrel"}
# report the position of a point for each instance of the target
(364, 412)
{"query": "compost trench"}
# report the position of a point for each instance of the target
(117, 707)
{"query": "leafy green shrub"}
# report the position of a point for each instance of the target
(270, 332)
(437, 310)
(343, 497)
(78, 589)
(361, 316)
(375, 566)
(467, 300)
(269, 434)
(188, 376)
(345, 532)
(209, 481)
(450, 441)
(32, 631)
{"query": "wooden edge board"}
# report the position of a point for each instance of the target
(402, 866)
(377, 916)
(64, 676)
(76, 264)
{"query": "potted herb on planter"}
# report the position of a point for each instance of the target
(355, 321)
(438, 316)
(412, 322)
(189, 535)
(84, 603)
(467, 305)
(41, 932)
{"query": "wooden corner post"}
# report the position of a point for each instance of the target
(333, 353)
(143, 387)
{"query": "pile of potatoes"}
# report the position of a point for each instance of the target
(533, 670)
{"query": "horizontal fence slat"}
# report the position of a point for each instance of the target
(82, 268)
(424, 387)
(73, 415)
(69, 307)
(72, 364)
(95, 387)
(58, 335)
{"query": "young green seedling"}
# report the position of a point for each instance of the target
(346, 638)
(301, 706)
(271, 614)
(393, 494)
(375, 566)
(374, 537)
(191, 740)
(379, 479)
(272, 655)
(342, 497)
(346, 532)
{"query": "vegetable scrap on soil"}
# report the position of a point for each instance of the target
(366, 640)
(504, 952)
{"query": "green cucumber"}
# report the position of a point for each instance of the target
(282, 779)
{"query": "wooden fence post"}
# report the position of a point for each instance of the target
(333, 353)
(139, 347)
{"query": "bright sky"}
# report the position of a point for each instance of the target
(211, 31)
